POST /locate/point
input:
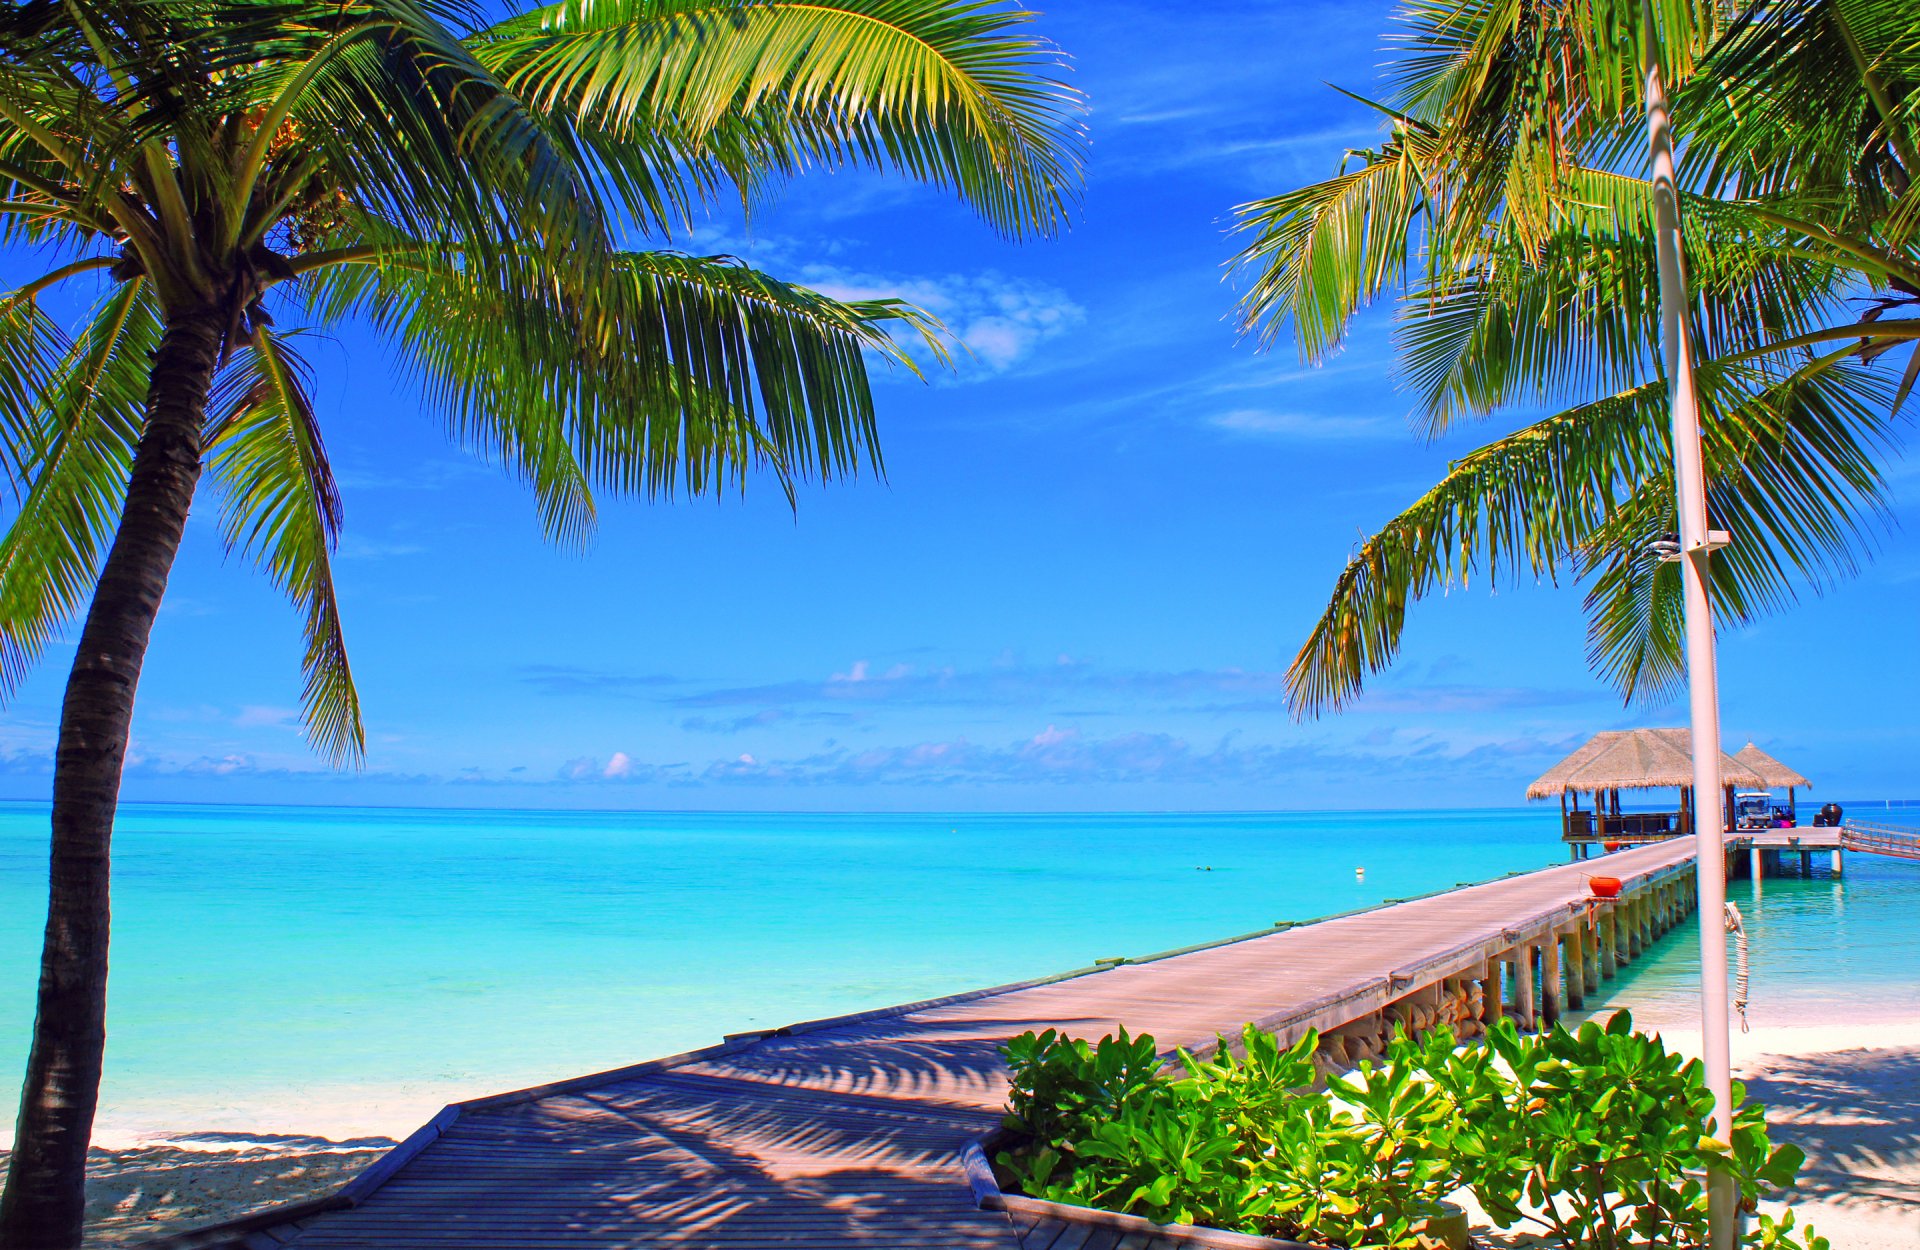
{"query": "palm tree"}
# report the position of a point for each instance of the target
(242, 170)
(1499, 214)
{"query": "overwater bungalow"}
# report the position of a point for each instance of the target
(1633, 759)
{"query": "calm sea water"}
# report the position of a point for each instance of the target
(1820, 950)
(349, 970)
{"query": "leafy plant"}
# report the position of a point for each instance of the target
(1595, 1136)
(1592, 1135)
(1102, 1126)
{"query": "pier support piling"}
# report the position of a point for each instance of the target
(1552, 993)
(1836, 861)
(1576, 967)
(1523, 1005)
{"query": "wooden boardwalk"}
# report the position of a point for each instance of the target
(850, 1132)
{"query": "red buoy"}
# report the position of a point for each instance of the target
(1604, 887)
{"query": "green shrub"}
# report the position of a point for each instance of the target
(1593, 1135)
(1596, 1136)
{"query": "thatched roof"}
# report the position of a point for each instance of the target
(1634, 759)
(1773, 774)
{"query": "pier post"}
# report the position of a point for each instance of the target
(1836, 861)
(1490, 994)
(1576, 967)
(1552, 993)
(1759, 863)
(1630, 944)
(1610, 959)
(1806, 863)
(1523, 1005)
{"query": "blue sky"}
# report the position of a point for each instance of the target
(1097, 546)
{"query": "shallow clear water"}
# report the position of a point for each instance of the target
(348, 970)
(1820, 950)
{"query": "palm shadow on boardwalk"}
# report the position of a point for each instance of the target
(851, 1135)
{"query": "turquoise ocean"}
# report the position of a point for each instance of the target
(341, 970)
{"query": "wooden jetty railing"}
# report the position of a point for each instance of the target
(1861, 835)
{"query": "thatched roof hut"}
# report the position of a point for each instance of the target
(1634, 759)
(1773, 774)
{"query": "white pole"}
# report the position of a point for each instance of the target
(1702, 682)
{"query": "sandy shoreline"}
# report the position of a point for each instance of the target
(1848, 1094)
(147, 1191)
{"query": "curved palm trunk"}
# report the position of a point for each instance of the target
(44, 1202)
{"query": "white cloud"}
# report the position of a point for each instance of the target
(999, 322)
(620, 765)
(352, 548)
(1303, 426)
(275, 717)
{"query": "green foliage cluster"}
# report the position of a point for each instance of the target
(1594, 1136)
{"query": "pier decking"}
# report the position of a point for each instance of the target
(850, 1132)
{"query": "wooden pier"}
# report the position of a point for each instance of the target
(1861, 835)
(851, 1131)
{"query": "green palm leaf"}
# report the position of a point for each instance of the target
(671, 374)
(1791, 464)
(1325, 251)
(956, 95)
(1579, 313)
(78, 451)
(282, 510)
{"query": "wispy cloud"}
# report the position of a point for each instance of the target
(573, 679)
(998, 685)
(1303, 426)
(275, 717)
(353, 547)
(998, 321)
(1068, 756)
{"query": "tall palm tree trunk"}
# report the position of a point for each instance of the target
(44, 1203)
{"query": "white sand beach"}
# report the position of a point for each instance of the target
(1848, 1095)
(140, 1192)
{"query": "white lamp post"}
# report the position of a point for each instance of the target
(1703, 686)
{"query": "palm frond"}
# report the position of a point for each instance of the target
(670, 374)
(956, 95)
(1791, 459)
(79, 453)
(1579, 314)
(1321, 253)
(32, 345)
(392, 103)
(282, 510)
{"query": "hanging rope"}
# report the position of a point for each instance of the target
(1737, 927)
